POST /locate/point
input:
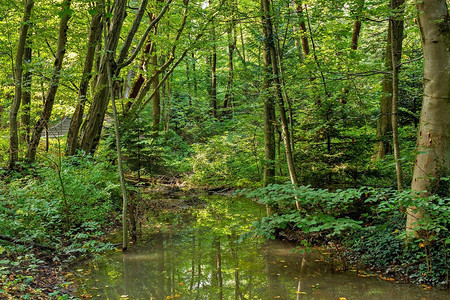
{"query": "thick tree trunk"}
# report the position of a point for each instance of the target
(92, 127)
(54, 83)
(95, 34)
(433, 142)
(18, 70)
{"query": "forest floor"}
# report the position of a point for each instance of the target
(36, 275)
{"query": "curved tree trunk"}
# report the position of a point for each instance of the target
(92, 128)
(95, 34)
(433, 141)
(54, 83)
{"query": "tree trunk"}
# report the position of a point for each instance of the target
(13, 131)
(119, 152)
(270, 51)
(156, 94)
(302, 25)
(228, 98)
(269, 125)
(54, 82)
(357, 25)
(95, 34)
(25, 119)
(383, 145)
(269, 119)
(213, 74)
(92, 127)
(396, 40)
(433, 142)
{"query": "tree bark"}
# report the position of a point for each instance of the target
(156, 113)
(269, 125)
(357, 25)
(270, 51)
(95, 34)
(213, 74)
(303, 30)
(383, 145)
(18, 70)
(396, 39)
(54, 82)
(25, 119)
(433, 142)
(231, 33)
(92, 127)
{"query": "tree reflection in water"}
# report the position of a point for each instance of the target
(204, 258)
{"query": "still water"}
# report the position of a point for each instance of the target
(202, 257)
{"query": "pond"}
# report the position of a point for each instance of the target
(201, 256)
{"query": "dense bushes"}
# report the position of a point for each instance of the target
(369, 222)
(44, 209)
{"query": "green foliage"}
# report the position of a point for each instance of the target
(321, 210)
(227, 160)
(369, 223)
(33, 209)
(150, 152)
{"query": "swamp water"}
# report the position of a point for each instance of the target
(200, 256)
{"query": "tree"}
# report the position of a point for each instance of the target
(66, 13)
(383, 145)
(92, 127)
(396, 34)
(271, 59)
(18, 70)
(77, 118)
(432, 163)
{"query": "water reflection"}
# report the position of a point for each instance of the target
(203, 260)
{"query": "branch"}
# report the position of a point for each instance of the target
(132, 32)
(33, 244)
(144, 36)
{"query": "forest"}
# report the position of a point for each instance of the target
(331, 118)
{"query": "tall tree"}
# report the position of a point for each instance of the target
(155, 85)
(18, 71)
(90, 134)
(383, 145)
(25, 118)
(270, 54)
(213, 72)
(92, 43)
(433, 142)
(231, 35)
(66, 13)
(396, 21)
(92, 126)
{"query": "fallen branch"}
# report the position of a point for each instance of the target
(33, 244)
